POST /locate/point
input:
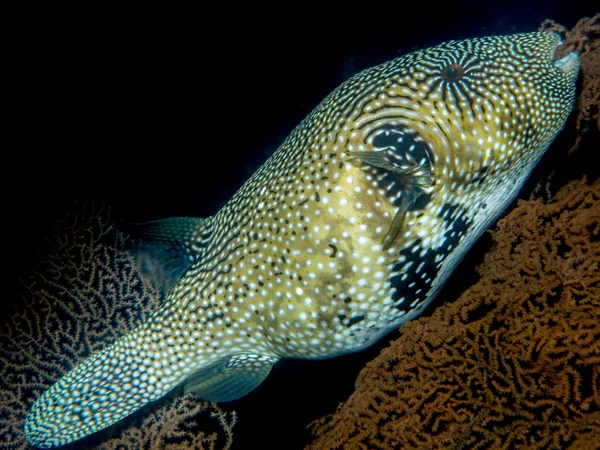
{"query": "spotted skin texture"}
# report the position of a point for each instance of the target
(295, 265)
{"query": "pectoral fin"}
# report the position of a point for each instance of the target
(230, 378)
(397, 224)
(403, 181)
(375, 159)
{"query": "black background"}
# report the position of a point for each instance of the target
(167, 113)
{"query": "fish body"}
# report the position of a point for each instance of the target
(350, 229)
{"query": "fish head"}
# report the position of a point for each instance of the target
(495, 101)
(438, 143)
(461, 123)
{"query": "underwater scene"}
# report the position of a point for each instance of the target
(378, 229)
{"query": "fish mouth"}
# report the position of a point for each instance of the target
(565, 62)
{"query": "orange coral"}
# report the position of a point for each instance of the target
(515, 362)
(86, 292)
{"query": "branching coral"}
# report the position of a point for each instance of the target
(85, 292)
(174, 426)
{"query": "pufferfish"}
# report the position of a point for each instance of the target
(348, 230)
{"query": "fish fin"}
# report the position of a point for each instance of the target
(165, 249)
(230, 378)
(375, 159)
(186, 233)
(413, 180)
(410, 176)
(397, 224)
(96, 393)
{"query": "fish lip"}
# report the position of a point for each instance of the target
(565, 62)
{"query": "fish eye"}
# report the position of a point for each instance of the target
(453, 73)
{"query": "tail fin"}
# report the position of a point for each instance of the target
(99, 392)
(137, 369)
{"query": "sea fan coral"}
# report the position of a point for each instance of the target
(85, 292)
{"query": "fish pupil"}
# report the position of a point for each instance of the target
(453, 72)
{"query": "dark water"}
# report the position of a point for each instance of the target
(170, 117)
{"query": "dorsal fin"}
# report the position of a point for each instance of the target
(164, 249)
